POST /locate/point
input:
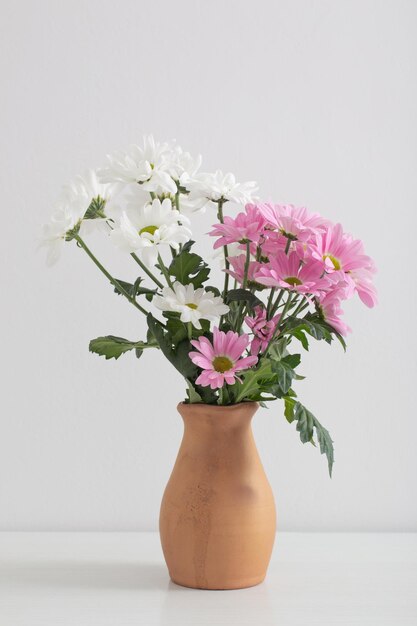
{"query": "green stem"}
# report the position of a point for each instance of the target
(112, 280)
(285, 309)
(270, 299)
(241, 310)
(277, 301)
(164, 270)
(247, 261)
(190, 330)
(146, 270)
(225, 251)
(302, 305)
(287, 246)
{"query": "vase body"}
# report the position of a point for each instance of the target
(217, 520)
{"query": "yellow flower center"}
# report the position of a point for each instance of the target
(336, 263)
(148, 229)
(191, 305)
(222, 364)
(293, 280)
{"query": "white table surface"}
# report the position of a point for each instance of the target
(118, 579)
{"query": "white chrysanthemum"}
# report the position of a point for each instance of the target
(65, 218)
(193, 304)
(96, 198)
(148, 165)
(217, 186)
(150, 227)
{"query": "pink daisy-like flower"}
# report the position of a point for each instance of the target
(295, 223)
(339, 252)
(288, 272)
(237, 264)
(262, 329)
(247, 226)
(329, 307)
(221, 359)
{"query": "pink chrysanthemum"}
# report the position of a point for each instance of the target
(247, 226)
(329, 307)
(288, 272)
(341, 253)
(237, 265)
(293, 222)
(222, 359)
(263, 329)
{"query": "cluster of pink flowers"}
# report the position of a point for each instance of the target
(301, 252)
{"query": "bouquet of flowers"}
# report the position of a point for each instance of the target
(286, 273)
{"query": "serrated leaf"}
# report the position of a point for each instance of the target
(113, 347)
(188, 267)
(251, 379)
(306, 425)
(289, 408)
(193, 396)
(243, 295)
(135, 289)
(284, 369)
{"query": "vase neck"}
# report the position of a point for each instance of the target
(214, 421)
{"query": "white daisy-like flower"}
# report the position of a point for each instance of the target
(96, 198)
(148, 165)
(193, 304)
(218, 186)
(66, 217)
(155, 225)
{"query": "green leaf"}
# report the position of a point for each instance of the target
(300, 335)
(306, 425)
(188, 267)
(289, 408)
(285, 374)
(252, 379)
(112, 347)
(193, 396)
(135, 289)
(243, 295)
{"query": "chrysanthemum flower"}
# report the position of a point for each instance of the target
(218, 186)
(339, 252)
(151, 227)
(295, 223)
(193, 304)
(66, 217)
(148, 165)
(262, 328)
(237, 269)
(245, 227)
(221, 359)
(330, 309)
(288, 272)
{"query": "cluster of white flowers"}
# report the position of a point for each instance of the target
(193, 304)
(155, 186)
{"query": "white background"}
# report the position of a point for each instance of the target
(314, 100)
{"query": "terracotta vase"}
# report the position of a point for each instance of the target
(217, 521)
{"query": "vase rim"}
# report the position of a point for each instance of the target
(217, 407)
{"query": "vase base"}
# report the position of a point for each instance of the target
(226, 586)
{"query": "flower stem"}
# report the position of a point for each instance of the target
(190, 330)
(277, 301)
(164, 270)
(112, 280)
(287, 246)
(246, 270)
(146, 270)
(225, 250)
(270, 299)
(302, 305)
